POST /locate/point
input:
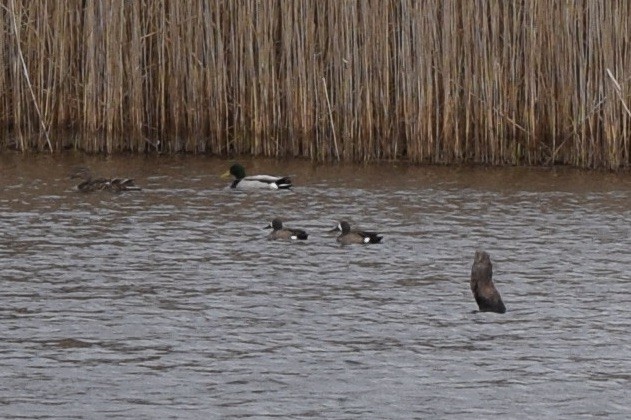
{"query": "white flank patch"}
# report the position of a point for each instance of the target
(294, 237)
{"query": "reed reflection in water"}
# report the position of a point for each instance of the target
(169, 302)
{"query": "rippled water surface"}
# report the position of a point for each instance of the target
(170, 302)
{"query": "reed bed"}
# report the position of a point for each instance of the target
(439, 81)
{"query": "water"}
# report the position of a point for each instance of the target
(170, 303)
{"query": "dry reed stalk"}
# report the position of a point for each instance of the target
(328, 103)
(27, 78)
(442, 81)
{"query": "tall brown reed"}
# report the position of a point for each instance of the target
(440, 81)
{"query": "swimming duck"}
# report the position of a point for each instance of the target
(482, 286)
(349, 236)
(91, 184)
(243, 182)
(285, 233)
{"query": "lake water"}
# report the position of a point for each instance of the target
(170, 302)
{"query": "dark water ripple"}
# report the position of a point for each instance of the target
(170, 302)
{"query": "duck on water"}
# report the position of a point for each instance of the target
(255, 182)
(280, 232)
(91, 184)
(349, 236)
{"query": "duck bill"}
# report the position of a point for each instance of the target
(226, 174)
(335, 229)
(268, 226)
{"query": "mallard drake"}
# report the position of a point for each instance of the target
(280, 232)
(243, 182)
(349, 236)
(91, 184)
(482, 286)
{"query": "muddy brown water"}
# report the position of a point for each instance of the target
(170, 303)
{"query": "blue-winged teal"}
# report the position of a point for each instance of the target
(258, 182)
(349, 236)
(90, 184)
(482, 286)
(280, 232)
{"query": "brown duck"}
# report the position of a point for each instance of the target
(280, 232)
(91, 184)
(348, 236)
